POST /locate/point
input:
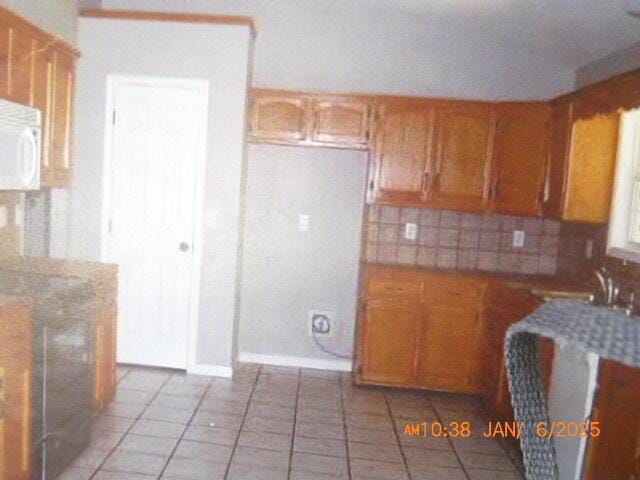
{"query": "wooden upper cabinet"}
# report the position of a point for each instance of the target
(5, 35)
(401, 154)
(21, 45)
(38, 69)
(340, 121)
(309, 119)
(560, 125)
(460, 167)
(520, 158)
(62, 119)
(592, 159)
(279, 116)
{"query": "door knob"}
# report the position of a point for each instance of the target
(184, 247)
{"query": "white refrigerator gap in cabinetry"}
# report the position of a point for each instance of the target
(155, 153)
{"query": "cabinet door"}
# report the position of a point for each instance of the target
(592, 158)
(401, 153)
(15, 393)
(449, 348)
(389, 341)
(339, 121)
(556, 173)
(60, 145)
(279, 116)
(520, 156)
(464, 137)
(614, 453)
(5, 33)
(42, 99)
(20, 64)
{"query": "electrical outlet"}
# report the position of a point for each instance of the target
(321, 323)
(518, 238)
(410, 231)
(303, 222)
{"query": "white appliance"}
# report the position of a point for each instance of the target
(20, 146)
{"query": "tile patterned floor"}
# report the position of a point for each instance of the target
(274, 423)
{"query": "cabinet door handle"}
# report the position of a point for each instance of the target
(425, 182)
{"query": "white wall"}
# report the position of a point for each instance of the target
(613, 64)
(56, 16)
(287, 272)
(365, 46)
(220, 54)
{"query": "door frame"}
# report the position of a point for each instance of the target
(114, 81)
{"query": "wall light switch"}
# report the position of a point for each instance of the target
(410, 231)
(303, 222)
(3, 216)
(518, 238)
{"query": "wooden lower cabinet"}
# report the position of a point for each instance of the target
(391, 327)
(615, 453)
(417, 330)
(441, 331)
(15, 390)
(449, 342)
(105, 373)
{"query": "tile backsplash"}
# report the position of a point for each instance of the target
(448, 239)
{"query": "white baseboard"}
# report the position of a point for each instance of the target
(210, 370)
(291, 361)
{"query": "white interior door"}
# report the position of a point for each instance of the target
(158, 136)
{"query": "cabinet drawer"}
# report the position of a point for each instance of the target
(392, 287)
(445, 289)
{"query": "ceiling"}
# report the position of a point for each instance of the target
(572, 32)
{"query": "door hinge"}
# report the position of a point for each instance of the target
(113, 117)
(110, 226)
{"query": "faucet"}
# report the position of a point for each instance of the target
(610, 291)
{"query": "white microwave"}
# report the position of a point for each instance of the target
(20, 146)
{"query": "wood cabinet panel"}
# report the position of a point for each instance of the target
(594, 144)
(38, 69)
(520, 157)
(403, 140)
(449, 348)
(459, 178)
(61, 119)
(505, 306)
(105, 378)
(15, 391)
(390, 341)
(20, 65)
(42, 99)
(561, 121)
(280, 116)
(615, 453)
(5, 34)
(340, 120)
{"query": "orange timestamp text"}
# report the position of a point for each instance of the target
(464, 429)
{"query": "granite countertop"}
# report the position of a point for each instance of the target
(92, 271)
(9, 301)
(544, 286)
